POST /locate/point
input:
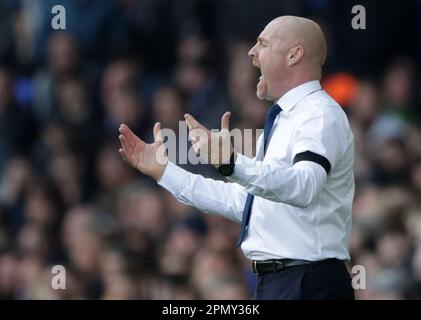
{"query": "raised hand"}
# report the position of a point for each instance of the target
(212, 147)
(150, 159)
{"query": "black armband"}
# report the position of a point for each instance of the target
(313, 157)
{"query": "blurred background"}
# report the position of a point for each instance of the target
(66, 197)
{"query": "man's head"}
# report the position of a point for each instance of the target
(289, 51)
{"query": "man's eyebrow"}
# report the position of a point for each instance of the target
(261, 40)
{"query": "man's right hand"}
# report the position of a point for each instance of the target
(150, 159)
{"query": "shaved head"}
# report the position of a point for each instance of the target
(289, 51)
(296, 31)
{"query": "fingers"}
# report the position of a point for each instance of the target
(200, 139)
(192, 123)
(157, 132)
(122, 153)
(194, 138)
(196, 145)
(130, 137)
(225, 120)
(126, 148)
(131, 145)
(127, 129)
(194, 135)
(125, 142)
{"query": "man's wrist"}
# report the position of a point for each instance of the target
(160, 172)
(228, 169)
(155, 173)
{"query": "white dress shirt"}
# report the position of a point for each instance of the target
(301, 210)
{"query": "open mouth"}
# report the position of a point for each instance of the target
(258, 67)
(261, 75)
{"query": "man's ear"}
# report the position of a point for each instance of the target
(295, 55)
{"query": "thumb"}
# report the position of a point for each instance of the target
(157, 132)
(225, 120)
(192, 123)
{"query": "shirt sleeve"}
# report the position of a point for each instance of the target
(320, 138)
(208, 195)
(296, 185)
(317, 145)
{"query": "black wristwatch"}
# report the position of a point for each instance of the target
(227, 169)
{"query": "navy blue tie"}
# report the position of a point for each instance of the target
(270, 119)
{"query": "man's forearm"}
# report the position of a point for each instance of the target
(208, 195)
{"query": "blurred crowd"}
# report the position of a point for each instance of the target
(67, 198)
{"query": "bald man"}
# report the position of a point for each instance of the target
(293, 200)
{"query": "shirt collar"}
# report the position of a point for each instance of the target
(293, 96)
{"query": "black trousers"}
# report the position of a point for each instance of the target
(322, 280)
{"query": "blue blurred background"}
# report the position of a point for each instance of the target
(67, 198)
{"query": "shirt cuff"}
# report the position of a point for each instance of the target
(245, 169)
(173, 178)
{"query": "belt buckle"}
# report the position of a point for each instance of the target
(254, 266)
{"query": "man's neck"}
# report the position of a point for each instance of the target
(293, 84)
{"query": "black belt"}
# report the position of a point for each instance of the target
(280, 264)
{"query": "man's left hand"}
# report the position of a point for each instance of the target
(211, 147)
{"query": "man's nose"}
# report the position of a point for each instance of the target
(252, 53)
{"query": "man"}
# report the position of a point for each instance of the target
(294, 199)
